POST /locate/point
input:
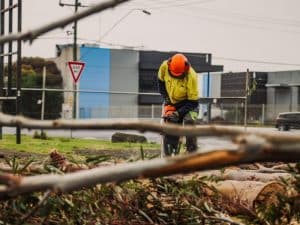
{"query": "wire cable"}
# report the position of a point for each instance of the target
(269, 20)
(183, 4)
(257, 61)
(192, 54)
(222, 21)
(249, 60)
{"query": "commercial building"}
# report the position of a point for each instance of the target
(283, 93)
(270, 93)
(119, 83)
(235, 93)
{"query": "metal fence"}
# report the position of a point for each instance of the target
(262, 114)
(233, 114)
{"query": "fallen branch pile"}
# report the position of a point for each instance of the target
(258, 193)
(216, 196)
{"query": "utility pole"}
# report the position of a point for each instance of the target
(2, 31)
(208, 59)
(19, 71)
(43, 94)
(75, 59)
(246, 99)
(75, 95)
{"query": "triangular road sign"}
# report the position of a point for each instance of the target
(76, 69)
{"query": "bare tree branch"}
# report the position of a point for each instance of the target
(32, 34)
(250, 148)
(282, 140)
(247, 153)
(218, 216)
(35, 208)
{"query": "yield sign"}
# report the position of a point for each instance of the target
(76, 69)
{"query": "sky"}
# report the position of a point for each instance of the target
(262, 35)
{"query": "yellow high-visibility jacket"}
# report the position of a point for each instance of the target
(179, 90)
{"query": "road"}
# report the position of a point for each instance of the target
(205, 143)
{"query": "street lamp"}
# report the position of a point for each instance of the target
(62, 4)
(121, 19)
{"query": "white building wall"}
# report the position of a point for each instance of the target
(61, 61)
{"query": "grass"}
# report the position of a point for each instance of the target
(66, 145)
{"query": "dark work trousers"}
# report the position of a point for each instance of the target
(171, 142)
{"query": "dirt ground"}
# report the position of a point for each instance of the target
(123, 154)
(117, 154)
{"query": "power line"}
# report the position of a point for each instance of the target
(218, 12)
(270, 20)
(243, 25)
(93, 41)
(169, 3)
(34, 33)
(240, 15)
(121, 19)
(249, 18)
(182, 4)
(247, 60)
(257, 61)
(194, 55)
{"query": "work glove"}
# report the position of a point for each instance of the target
(173, 117)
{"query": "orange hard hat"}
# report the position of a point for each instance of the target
(178, 65)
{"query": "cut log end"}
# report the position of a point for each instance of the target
(268, 195)
(252, 194)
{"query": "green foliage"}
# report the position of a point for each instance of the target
(148, 201)
(252, 86)
(67, 145)
(38, 63)
(32, 69)
(127, 203)
(53, 104)
(27, 70)
(16, 166)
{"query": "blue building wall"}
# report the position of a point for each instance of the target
(207, 85)
(95, 76)
(206, 91)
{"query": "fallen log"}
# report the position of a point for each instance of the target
(250, 194)
(239, 175)
(252, 175)
(131, 138)
(151, 168)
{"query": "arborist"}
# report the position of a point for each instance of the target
(178, 85)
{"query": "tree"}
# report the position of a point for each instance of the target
(32, 70)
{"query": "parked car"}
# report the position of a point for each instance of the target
(288, 120)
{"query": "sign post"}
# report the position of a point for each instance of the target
(76, 69)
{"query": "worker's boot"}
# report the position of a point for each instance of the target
(171, 145)
(191, 144)
(190, 119)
